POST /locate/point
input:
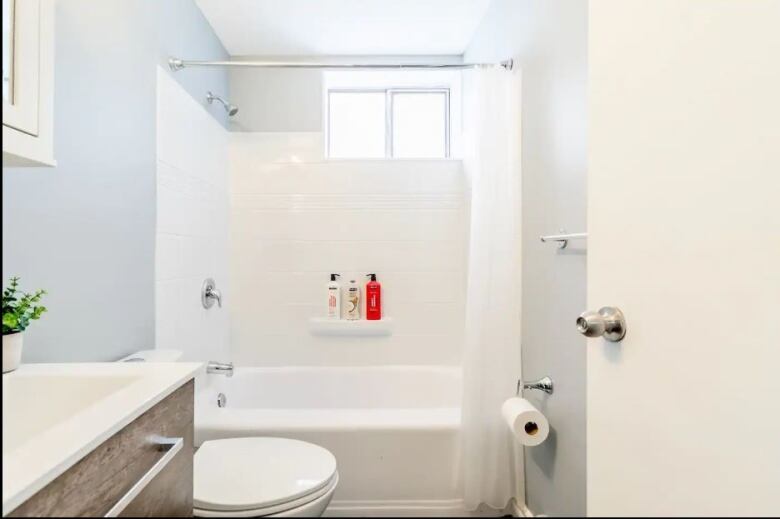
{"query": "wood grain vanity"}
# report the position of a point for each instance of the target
(142, 470)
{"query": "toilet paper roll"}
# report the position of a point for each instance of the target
(526, 422)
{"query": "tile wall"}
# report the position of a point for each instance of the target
(296, 217)
(192, 224)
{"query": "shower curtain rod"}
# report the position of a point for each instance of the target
(178, 64)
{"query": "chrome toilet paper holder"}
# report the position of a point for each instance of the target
(543, 384)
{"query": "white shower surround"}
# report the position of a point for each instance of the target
(388, 407)
(297, 217)
(192, 224)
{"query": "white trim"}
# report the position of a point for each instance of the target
(414, 508)
(521, 510)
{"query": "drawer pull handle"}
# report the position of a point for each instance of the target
(171, 446)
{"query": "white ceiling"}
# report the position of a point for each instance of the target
(344, 27)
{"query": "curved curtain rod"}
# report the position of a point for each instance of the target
(177, 64)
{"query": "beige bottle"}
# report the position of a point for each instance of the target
(352, 310)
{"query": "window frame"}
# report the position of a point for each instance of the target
(390, 92)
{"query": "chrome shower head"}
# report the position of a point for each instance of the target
(229, 108)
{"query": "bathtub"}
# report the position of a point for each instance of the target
(394, 430)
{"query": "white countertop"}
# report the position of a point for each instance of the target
(55, 414)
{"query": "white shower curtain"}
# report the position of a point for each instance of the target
(492, 340)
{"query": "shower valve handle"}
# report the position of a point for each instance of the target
(209, 294)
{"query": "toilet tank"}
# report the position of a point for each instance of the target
(153, 356)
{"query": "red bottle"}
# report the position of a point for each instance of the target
(373, 299)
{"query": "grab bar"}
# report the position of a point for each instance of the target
(563, 238)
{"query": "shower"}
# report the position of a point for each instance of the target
(229, 108)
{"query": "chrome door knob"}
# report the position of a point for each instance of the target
(608, 322)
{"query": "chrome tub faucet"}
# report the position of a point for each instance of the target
(220, 368)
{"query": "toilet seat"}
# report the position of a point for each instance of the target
(303, 506)
(260, 476)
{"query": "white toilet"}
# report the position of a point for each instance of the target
(257, 477)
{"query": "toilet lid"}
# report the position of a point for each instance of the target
(249, 473)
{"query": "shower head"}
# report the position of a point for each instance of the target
(229, 108)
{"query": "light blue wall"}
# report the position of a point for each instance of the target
(85, 230)
(548, 39)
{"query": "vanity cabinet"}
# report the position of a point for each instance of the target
(144, 470)
(28, 82)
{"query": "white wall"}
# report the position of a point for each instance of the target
(192, 224)
(548, 40)
(295, 218)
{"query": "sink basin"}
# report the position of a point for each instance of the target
(33, 404)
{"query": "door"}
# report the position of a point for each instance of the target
(684, 237)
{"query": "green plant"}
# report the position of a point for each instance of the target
(19, 308)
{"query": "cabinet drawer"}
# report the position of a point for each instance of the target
(94, 485)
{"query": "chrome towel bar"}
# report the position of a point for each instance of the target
(563, 238)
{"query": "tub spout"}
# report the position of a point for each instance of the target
(220, 368)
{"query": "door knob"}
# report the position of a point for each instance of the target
(608, 322)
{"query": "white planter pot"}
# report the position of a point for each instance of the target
(12, 351)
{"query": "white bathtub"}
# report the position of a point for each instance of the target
(394, 430)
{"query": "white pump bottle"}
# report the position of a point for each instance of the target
(334, 298)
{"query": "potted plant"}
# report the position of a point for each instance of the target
(19, 309)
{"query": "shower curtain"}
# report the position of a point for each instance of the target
(492, 338)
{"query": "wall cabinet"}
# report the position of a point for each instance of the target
(28, 82)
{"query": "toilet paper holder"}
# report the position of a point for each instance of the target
(543, 384)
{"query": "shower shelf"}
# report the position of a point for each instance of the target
(323, 327)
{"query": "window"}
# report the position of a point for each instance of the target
(356, 124)
(388, 123)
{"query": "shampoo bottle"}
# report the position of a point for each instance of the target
(353, 301)
(373, 299)
(334, 298)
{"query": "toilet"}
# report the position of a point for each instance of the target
(256, 477)
(263, 477)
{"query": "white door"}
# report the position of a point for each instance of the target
(684, 237)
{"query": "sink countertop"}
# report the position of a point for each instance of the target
(55, 414)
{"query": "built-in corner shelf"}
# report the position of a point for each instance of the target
(324, 327)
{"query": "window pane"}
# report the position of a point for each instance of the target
(357, 124)
(419, 125)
